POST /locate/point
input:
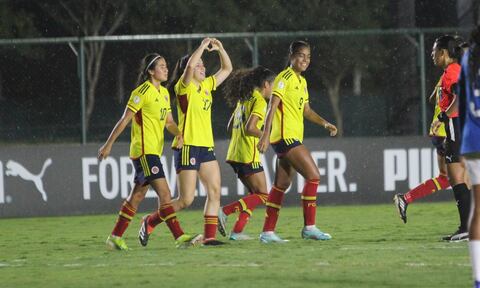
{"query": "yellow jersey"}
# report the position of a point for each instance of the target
(151, 107)
(441, 130)
(243, 148)
(194, 108)
(288, 119)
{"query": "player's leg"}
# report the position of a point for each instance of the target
(257, 185)
(301, 159)
(284, 173)
(473, 167)
(209, 175)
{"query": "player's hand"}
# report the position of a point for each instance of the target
(179, 141)
(263, 143)
(206, 43)
(215, 45)
(435, 126)
(104, 151)
(332, 128)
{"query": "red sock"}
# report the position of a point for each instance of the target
(232, 208)
(210, 228)
(167, 213)
(426, 188)
(249, 202)
(242, 220)
(309, 201)
(154, 219)
(124, 217)
(274, 203)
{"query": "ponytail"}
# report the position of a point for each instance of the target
(453, 45)
(177, 73)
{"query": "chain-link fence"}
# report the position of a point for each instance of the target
(380, 79)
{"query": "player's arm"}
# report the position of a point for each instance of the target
(454, 104)
(251, 128)
(226, 66)
(264, 141)
(127, 116)
(230, 122)
(433, 97)
(172, 128)
(192, 62)
(312, 116)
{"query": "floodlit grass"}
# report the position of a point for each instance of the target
(371, 247)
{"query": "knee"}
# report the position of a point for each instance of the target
(214, 193)
(137, 197)
(184, 202)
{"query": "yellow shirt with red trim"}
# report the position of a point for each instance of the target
(151, 107)
(194, 108)
(288, 119)
(441, 130)
(243, 148)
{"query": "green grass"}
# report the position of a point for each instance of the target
(371, 247)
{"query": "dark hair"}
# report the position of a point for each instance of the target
(177, 73)
(474, 58)
(241, 83)
(453, 45)
(148, 63)
(294, 47)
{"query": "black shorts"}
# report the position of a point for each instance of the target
(439, 143)
(190, 157)
(284, 145)
(244, 170)
(452, 142)
(147, 168)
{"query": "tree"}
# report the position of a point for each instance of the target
(89, 18)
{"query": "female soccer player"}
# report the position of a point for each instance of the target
(446, 52)
(284, 129)
(196, 158)
(149, 106)
(434, 184)
(249, 90)
(469, 92)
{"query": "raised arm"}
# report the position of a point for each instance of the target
(104, 151)
(312, 116)
(225, 62)
(264, 141)
(194, 58)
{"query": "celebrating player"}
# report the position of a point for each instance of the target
(149, 107)
(288, 106)
(249, 90)
(196, 158)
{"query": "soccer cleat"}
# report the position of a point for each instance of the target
(239, 236)
(457, 236)
(271, 238)
(315, 234)
(222, 222)
(144, 231)
(186, 240)
(402, 205)
(213, 242)
(115, 242)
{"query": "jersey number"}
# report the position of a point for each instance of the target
(163, 113)
(206, 104)
(300, 104)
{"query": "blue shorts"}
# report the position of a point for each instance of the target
(190, 157)
(244, 170)
(147, 168)
(284, 145)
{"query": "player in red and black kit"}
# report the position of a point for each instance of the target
(446, 53)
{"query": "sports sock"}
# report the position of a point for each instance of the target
(167, 214)
(154, 219)
(248, 202)
(462, 195)
(242, 220)
(426, 188)
(309, 201)
(125, 215)
(210, 227)
(274, 203)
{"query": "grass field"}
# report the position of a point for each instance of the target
(371, 247)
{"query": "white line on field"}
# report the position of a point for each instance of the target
(235, 265)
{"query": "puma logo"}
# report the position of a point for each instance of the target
(16, 169)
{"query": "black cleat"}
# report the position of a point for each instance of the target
(213, 242)
(458, 236)
(401, 205)
(143, 232)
